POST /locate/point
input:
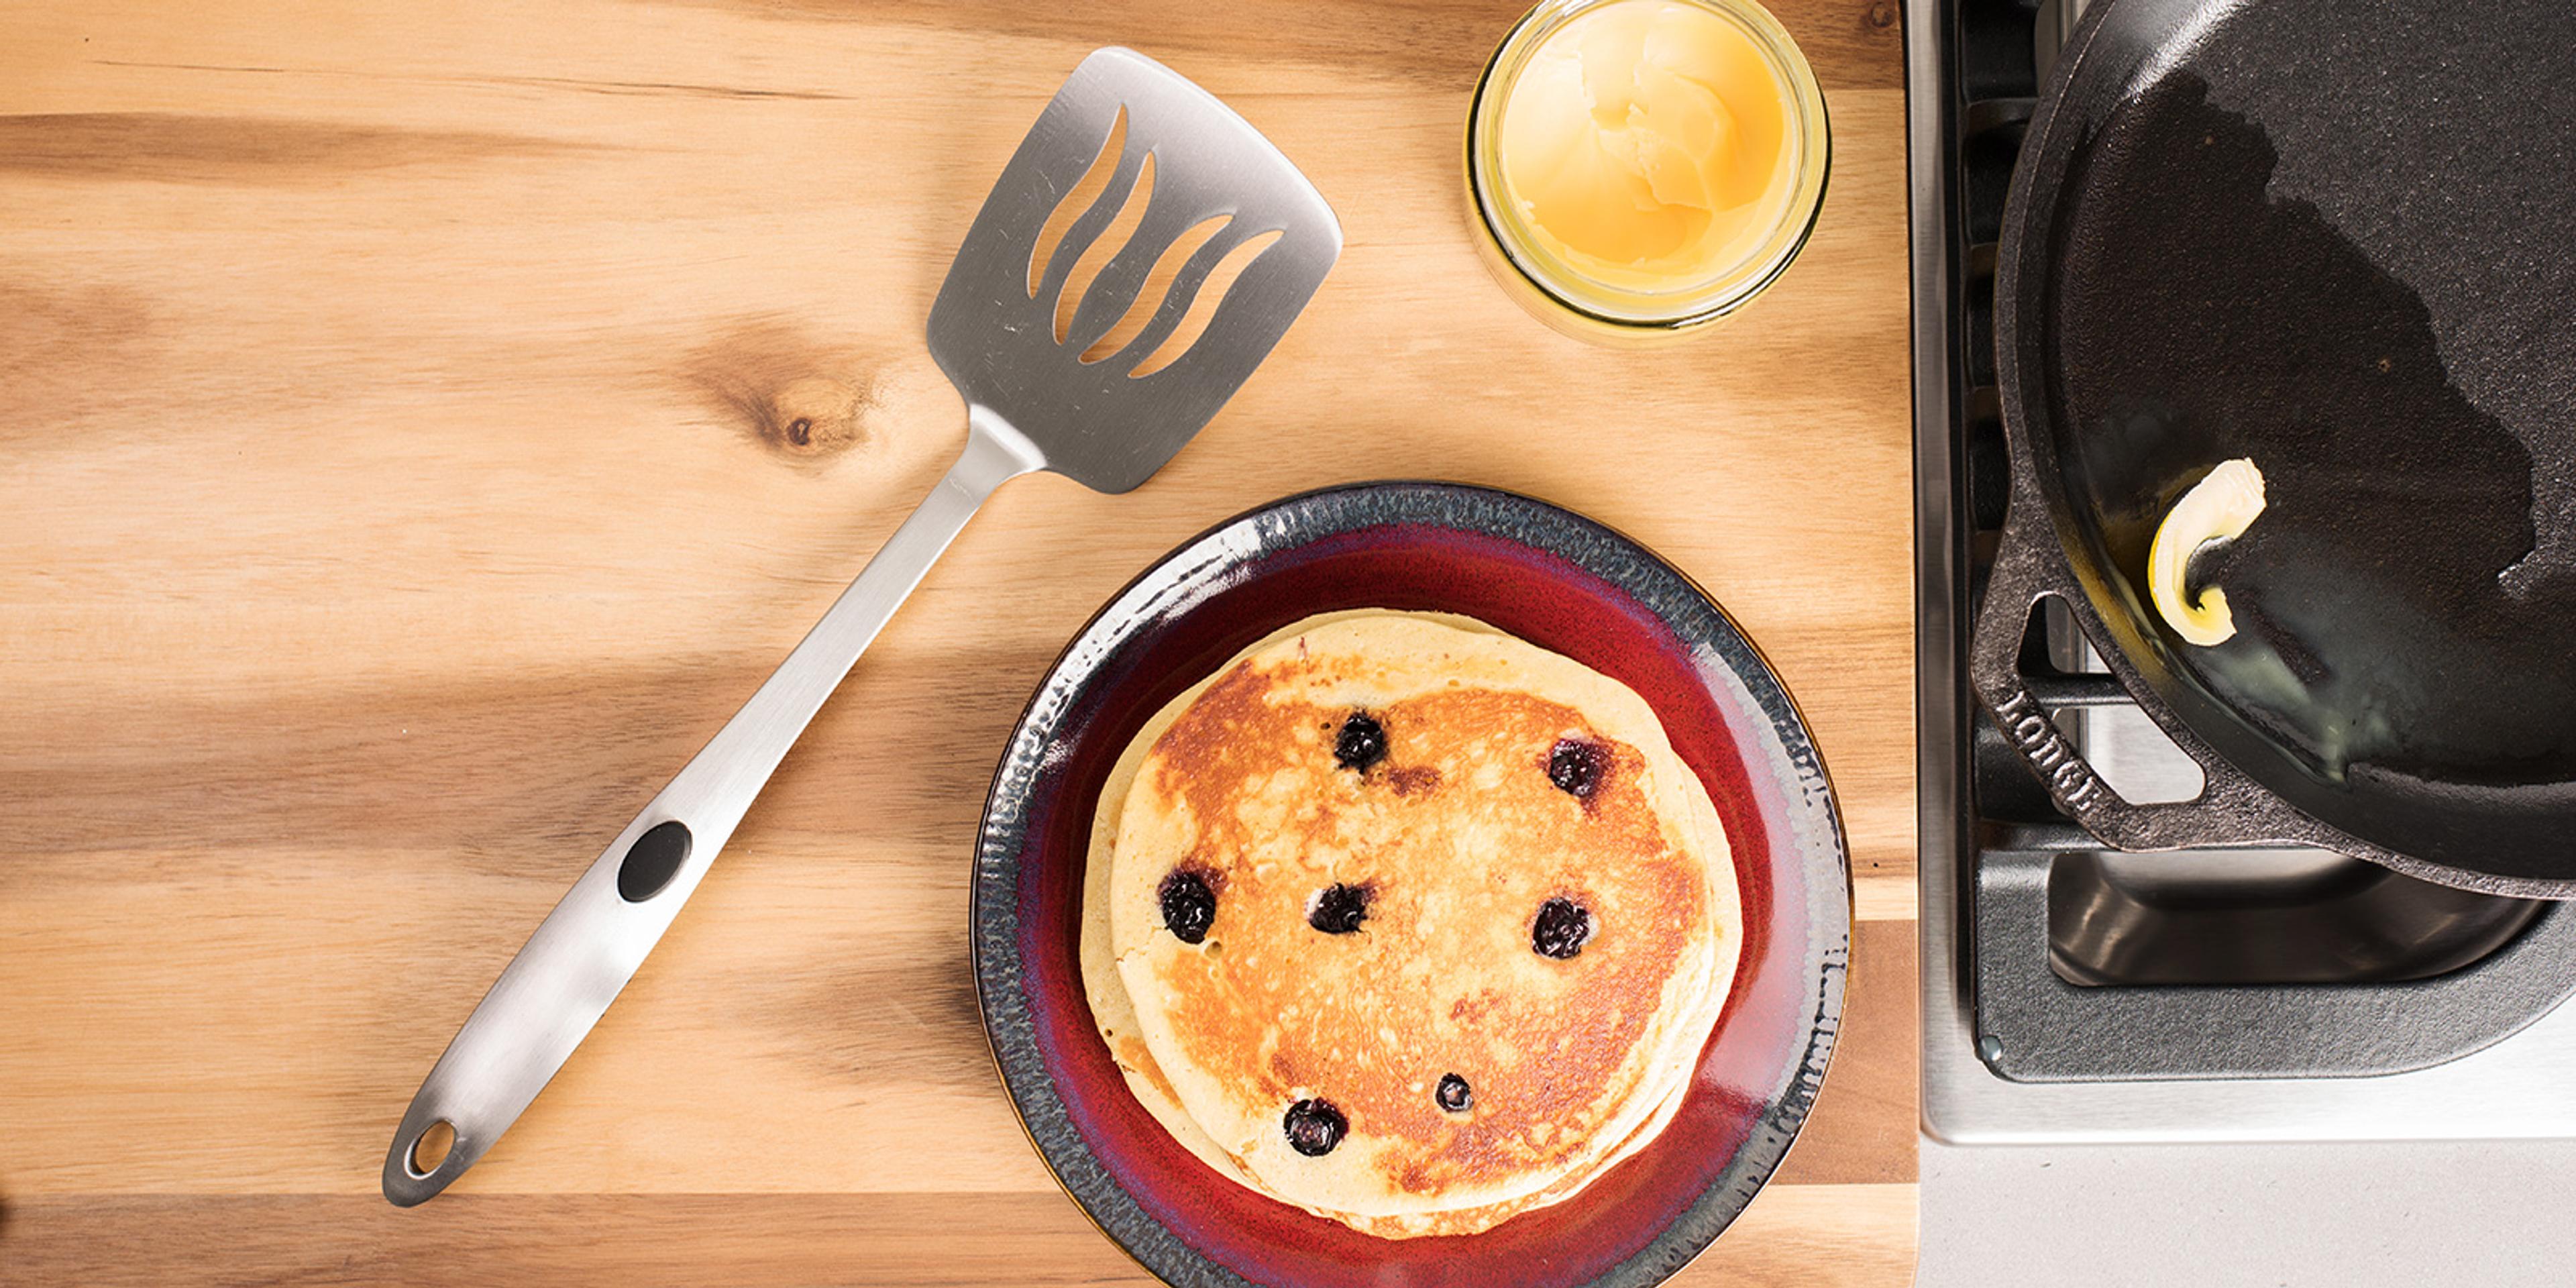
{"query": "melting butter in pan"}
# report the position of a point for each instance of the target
(2219, 507)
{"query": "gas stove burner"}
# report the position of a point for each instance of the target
(2076, 994)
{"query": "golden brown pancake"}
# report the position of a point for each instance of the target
(1455, 840)
(1116, 1018)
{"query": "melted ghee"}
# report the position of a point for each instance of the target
(1645, 145)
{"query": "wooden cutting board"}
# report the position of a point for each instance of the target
(399, 442)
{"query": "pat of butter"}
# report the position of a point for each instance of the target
(2224, 503)
(1644, 145)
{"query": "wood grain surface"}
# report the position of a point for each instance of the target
(399, 437)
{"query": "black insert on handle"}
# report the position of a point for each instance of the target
(652, 861)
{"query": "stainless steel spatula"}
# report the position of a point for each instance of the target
(1033, 403)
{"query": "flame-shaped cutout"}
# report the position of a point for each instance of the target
(1111, 240)
(1085, 190)
(1158, 283)
(1212, 293)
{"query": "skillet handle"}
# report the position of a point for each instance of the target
(2231, 811)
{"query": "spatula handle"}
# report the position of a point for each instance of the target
(550, 995)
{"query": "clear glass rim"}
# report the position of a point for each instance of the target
(1616, 307)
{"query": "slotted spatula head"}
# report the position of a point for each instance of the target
(994, 326)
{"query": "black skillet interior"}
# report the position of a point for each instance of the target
(2340, 240)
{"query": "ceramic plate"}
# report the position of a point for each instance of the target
(1560, 581)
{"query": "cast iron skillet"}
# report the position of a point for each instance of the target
(2332, 238)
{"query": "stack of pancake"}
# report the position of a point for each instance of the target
(1408, 922)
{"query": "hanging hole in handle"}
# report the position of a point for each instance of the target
(429, 1149)
(2137, 760)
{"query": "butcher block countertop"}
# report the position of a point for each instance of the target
(400, 442)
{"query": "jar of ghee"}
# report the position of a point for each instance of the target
(1641, 167)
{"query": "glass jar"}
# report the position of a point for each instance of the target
(1610, 301)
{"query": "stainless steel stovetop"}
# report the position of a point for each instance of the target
(2075, 996)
